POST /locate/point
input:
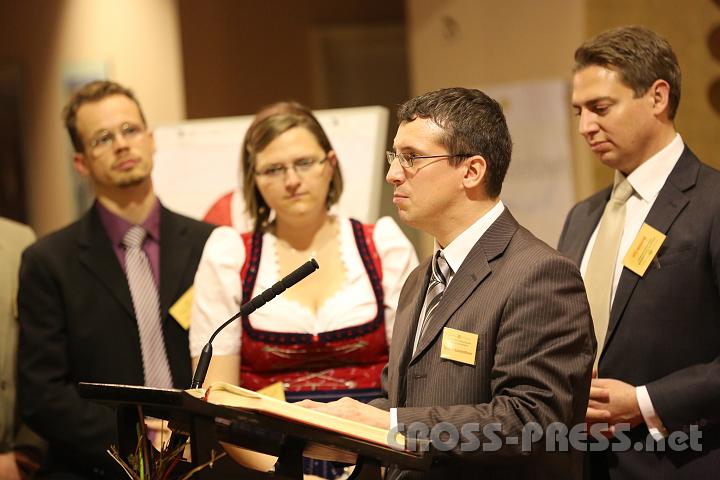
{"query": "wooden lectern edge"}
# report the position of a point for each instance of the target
(314, 436)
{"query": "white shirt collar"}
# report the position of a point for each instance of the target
(458, 249)
(649, 178)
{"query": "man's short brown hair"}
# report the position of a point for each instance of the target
(639, 55)
(88, 93)
(473, 124)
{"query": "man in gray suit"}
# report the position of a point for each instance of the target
(20, 449)
(649, 251)
(493, 333)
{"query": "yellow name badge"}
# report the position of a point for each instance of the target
(643, 249)
(459, 346)
(181, 309)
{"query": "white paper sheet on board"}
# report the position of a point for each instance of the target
(539, 187)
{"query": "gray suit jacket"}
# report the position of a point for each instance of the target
(664, 328)
(534, 356)
(14, 237)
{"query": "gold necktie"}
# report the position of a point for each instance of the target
(601, 266)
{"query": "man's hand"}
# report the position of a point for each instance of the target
(612, 402)
(599, 398)
(8, 468)
(158, 432)
(352, 410)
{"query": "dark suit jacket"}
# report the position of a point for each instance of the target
(77, 324)
(534, 355)
(664, 328)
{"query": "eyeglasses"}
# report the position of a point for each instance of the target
(301, 166)
(407, 160)
(106, 138)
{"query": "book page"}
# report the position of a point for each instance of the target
(226, 394)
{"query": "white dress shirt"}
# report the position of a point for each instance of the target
(218, 290)
(646, 180)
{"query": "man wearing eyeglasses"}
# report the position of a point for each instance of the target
(94, 297)
(493, 335)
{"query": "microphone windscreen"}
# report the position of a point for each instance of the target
(299, 273)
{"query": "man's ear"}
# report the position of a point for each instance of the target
(80, 164)
(151, 139)
(660, 95)
(475, 169)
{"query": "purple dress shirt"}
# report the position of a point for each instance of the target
(116, 228)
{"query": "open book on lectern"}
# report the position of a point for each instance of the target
(226, 394)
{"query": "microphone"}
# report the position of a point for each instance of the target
(246, 309)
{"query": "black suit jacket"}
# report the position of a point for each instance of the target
(77, 324)
(534, 355)
(664, 328)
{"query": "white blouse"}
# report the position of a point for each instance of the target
(218, 292)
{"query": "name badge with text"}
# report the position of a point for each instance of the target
(459, 346)
(643, 249)
(180, 311)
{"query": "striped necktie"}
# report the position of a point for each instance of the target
(439, 277)
(147, 309)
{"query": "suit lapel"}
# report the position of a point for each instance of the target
(587, 227)
(174, 254)
(406, 322)
(670, 202)
(97, 255)
(417, 310)
(473, 271)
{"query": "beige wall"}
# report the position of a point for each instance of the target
(472, 42)
(26, 33)
(139, 43)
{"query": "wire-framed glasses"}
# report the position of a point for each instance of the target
(105, 139)
(407, 160)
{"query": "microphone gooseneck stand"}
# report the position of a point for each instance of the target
(246, 309)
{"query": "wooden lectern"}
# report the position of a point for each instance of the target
(206, 424)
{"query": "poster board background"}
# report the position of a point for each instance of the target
(197, 161)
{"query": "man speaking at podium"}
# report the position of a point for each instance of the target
(94, 297)
(492, 332)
